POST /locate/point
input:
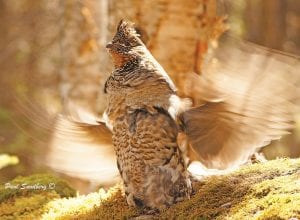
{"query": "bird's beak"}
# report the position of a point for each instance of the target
(109, 45)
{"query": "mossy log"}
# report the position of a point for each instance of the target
(269, 190)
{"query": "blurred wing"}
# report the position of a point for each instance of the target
(248, 95)
(78, 149)
(82, 150)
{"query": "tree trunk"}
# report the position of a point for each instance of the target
(83, 73)
(169, 28)
(178, 33)
(266, 22)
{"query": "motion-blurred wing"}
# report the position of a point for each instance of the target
(248, 95)
(78, 149)
(82, 150)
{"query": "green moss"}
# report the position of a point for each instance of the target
(31, 207)
(276, 197)
(268, 190)
(261, 191)
(99, 205)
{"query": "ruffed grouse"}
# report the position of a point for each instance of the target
(141, 113)
(244, 99)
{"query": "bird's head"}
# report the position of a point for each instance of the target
(123, 46)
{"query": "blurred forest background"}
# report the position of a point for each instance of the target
(53, 52)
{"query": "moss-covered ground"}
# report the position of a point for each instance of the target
(268, 191)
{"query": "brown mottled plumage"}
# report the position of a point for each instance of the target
(141, 115)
